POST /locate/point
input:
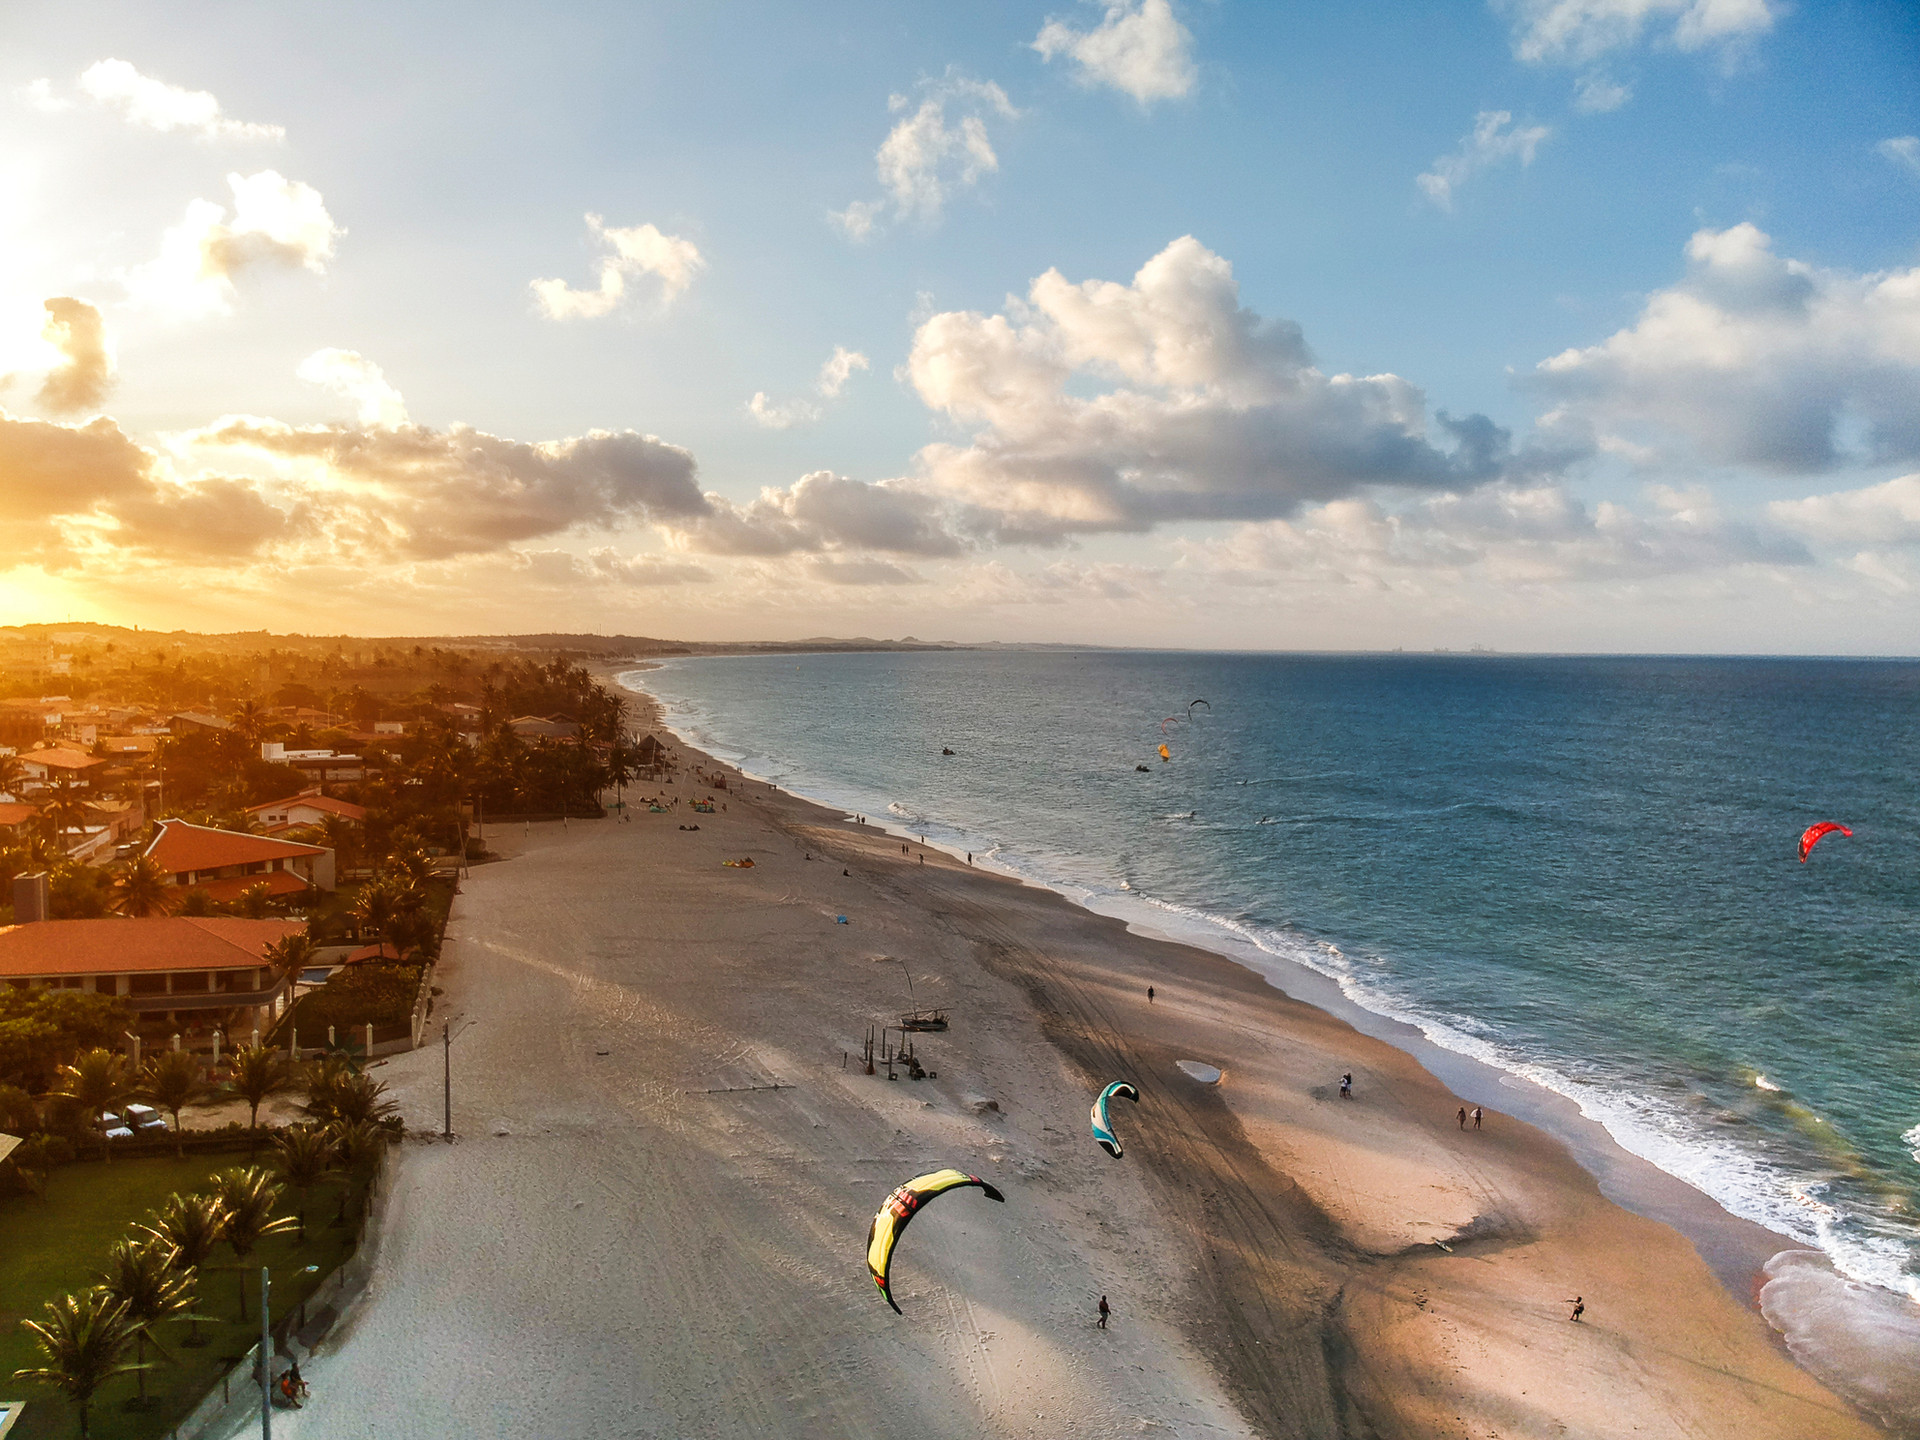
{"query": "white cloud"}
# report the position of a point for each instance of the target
(276, 222)
(1875, 517)
(1139, 47)
(38, 95)
(780, 417)
(84, 373)
(1498, 534)
(1596, 94)
(640, 250)
(1578, 32)
(839, 369)
(834, 374)
(928, 156)
(156, 105)
(823, 511)
(1902, 150)
(1490, 143)
(354, 377)
(1754, 359)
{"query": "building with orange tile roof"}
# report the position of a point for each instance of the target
(174, 968)
(225, 863)
(309, 807)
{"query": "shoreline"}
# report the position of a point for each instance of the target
(1744, 1247)
(1736, 1248)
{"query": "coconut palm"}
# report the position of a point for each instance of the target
(140, 1274)
(304, 1154)
(10, 775)
(360, 1146)
(290, 956)
(173, 1081)
(248, 1196)
(141, 888)
(350, 1097)
(190, 1226)
(64, 807)
(99, 1082)
(255, 1073)
(81, 1339)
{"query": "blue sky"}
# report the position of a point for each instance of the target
(1711, 206)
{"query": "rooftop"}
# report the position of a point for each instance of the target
(313, 800)
(180, 847)
(173, 942)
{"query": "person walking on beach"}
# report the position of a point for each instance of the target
(1476, 1117)
(1346, 1086)
(1104, 1312)
(1579, 1307)
(1463, 1117)
(1149, 994)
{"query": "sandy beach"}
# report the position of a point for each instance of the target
(653, 1221)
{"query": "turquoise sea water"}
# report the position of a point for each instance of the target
(1582, 870)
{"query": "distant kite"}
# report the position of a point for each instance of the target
(1207, 703)
(1170, 720)
(1813, 835)
(1165, 754)
(1102, 1129)
(898, 1210)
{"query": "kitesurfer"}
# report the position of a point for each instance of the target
(1579, 1307)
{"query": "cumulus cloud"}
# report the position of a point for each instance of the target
(1502, 534)
(940, 148)
(276, 224)
(834, 374)
(1211, 412)
(1754, 359)
(1578, 32)
(355, 378)
(1139, 47)
(84, 374)
(636, 251)
(429, 494)
(1493, 140)
(1597, 93)
(156, 105)
(838, 369)
(862, 572)
(38, 95)
(1902, 150)
(562, 569)
(823, 511)
(1875, 517)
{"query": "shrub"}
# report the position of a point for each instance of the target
(359, 994)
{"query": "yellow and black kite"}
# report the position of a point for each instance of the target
(899, 1208)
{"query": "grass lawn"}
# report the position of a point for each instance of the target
(52, 1246)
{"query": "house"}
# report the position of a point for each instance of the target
(189, 722)
(15, 820)
(226, 862)
(45, 765)
(543, 727)
(319, 766)
(129, 747)
(173, 968)
(309, 807)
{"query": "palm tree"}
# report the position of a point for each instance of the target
(81, 1339)
(249, 721)
(255, 901)
(351, 1097)
(190, 1225)
(248, 1196)
(64, 807)
(360, 1146)
(290, 956)
(98, 1082)
(620, 767)
(257, 1072)
(304, 1154)
(10, 775)
(140, 1274)
(141, 888)
(174, 1081)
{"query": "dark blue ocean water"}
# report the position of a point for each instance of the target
(1580, 869)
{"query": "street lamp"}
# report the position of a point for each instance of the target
(266, 1352)
(446, 1052)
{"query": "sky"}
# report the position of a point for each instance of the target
(1564, 325)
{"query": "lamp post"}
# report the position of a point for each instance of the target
(266, 1352)
(446, 1055)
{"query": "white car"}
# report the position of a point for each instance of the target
(134, 1120)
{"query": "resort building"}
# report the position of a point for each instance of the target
(174, 969)
(44, 765)
(319, 766)
(226, 863)
(309, 807)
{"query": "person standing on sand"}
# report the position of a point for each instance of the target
(1149, 994)
(1103, 1312)
(1463, 1117)
(1476, 1117)
(1346, 1086)
(1579, 1307)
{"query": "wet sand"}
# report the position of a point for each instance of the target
(653, 1222)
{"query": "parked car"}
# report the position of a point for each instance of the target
(133, 1120)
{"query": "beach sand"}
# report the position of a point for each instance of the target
(638, 1234)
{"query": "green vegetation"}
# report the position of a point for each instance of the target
(368, 993)
(64, 1245)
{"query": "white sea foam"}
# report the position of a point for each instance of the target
(1861, 1340)
(1912, 1139)
(1761, 1082)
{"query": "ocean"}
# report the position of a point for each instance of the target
(1580, 870)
